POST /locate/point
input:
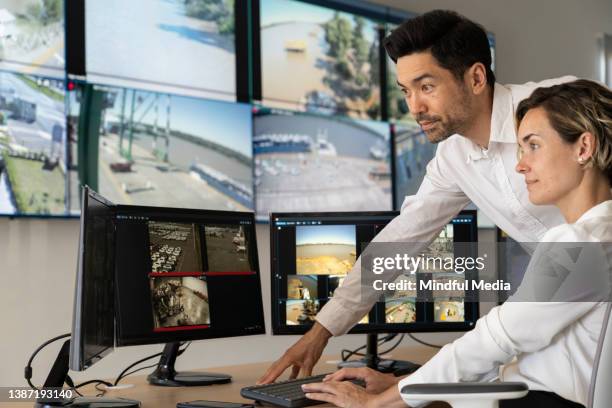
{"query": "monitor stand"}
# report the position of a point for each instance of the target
(372, 360)
(166, 375)
(57, 378)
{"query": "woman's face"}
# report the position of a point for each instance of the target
(549, 164)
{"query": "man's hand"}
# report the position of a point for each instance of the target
(302, 356)
(342, 394)
(376, 382)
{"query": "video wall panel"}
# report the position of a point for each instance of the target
(163, 45)
(306, 162)
(32, 37)
(318, 59)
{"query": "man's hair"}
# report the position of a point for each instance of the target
(454, 41)
(574, 108)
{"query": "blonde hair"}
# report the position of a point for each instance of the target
(574, 108)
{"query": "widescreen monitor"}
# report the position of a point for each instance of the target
(312, 253)
(186, 275)
(32, 145)
(32, 37)
(332, 57)
(162, 149)
(306, 162)
(184, 47)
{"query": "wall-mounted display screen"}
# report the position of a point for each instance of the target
(412, 153)
(32, 36)
(317, 59)
(307, 162)
(32, 145)
(175, 46)
(174, 151)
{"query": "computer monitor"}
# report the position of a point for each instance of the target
(512, 260)
(311, 253)
(185, 275)
(93, 322)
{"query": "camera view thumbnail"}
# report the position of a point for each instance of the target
(174, 247)
(179, 302)
(325, 249)
(227, 248)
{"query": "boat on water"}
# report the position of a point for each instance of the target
(282, 143)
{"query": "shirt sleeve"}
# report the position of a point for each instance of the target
(421, 218)
(497, 338)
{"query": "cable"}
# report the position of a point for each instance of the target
(28, 368)
(346, 354)
(423, 342)
(393, 347)
(123, 373)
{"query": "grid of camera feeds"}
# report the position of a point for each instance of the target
(138, 129)
(312, 255)
(183, 257)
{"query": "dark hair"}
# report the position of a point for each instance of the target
(454, 41)
(573, 108)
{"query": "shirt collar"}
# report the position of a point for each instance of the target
(502, 124)
(603, 209)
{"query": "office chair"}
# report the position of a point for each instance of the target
(487, 395)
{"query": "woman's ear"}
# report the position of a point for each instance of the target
(586, 145)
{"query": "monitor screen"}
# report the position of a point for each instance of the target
(312, 253)
(413, 151)
(184, 47)
(186, 275)
(332, 57)
(32, 37)
(93, 331)
(32, 145)
(307, 162)
(165, 150)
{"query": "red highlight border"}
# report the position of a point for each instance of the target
(175, 274)
(181, 328)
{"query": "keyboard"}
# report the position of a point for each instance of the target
(287, 394)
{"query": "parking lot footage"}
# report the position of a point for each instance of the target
(174, 247)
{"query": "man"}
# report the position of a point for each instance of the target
(444, 69)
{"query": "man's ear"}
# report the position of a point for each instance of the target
(476, 78)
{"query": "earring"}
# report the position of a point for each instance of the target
(581, 160)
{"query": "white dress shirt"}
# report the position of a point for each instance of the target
(554, 342)
(459, 173)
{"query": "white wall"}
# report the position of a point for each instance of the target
(535, 40)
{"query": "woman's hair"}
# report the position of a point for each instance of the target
(574, 108)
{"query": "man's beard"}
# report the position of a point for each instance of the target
(457, 121)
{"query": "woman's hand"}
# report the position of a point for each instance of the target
(343, 394)
(376, 382)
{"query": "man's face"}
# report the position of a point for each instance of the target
(438, 101)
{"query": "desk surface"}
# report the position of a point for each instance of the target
(242, 376)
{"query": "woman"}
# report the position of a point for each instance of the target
(565, 150)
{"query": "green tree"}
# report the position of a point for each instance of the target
(219, 11)
(338, 35)
(53, 10)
